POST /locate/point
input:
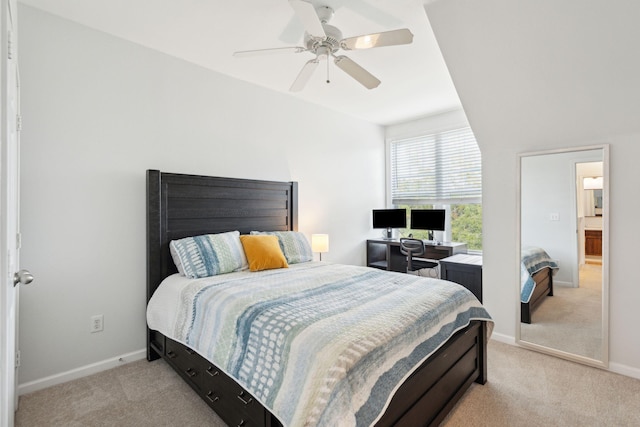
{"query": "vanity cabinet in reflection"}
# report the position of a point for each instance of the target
(593, 242)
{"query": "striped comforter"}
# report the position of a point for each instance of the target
(317, 343)
(533, 260)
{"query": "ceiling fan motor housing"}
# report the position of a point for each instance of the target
(331, 43)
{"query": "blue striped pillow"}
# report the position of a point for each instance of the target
(294, 245)
(208, 255)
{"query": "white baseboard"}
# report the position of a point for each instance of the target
(506, 339)
(564, 284)
(83, 371)
(625, 370)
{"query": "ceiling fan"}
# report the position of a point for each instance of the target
(324, 41)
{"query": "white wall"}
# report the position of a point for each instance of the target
(98, 111)
(545, 74)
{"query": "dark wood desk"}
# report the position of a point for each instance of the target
(385, 254)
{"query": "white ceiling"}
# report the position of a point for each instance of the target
(415, 80)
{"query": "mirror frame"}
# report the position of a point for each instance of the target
(604, 361)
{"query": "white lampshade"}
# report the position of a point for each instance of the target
(594, 183)
(320, 243)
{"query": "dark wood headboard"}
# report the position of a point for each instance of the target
(181, 205)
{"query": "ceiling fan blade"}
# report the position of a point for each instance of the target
(365, 78)
(306, 13)
(388, 38)
(293, 32)
(275, 50)
(304, 75)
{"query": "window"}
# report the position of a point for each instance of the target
(440, 170)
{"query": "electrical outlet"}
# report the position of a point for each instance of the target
(555, 216)
(97, 323)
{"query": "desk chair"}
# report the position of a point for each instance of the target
(415, 248)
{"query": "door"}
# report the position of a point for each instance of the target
(9, 211)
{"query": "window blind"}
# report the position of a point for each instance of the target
(440, 168)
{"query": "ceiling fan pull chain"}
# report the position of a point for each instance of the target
(328, 81)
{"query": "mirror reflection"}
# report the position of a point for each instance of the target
(593, 202)
(562, 219)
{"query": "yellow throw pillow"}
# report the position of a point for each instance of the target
(263, 252)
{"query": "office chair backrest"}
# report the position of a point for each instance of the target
(411, 248)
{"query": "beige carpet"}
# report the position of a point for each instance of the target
(556, 393)
(571, 319)
(137, 394)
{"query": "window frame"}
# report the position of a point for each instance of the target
(417, 132)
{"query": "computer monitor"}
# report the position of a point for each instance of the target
(428, 219)
(389, 219)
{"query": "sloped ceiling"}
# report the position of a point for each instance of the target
(543, 73)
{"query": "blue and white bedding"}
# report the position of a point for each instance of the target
(533, 259)
(316, 343)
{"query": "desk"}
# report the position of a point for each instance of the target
(465, 270)
(385, 254)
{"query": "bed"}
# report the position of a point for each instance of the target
(180, 206)
(536, 279)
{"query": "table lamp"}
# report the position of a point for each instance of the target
(320, 243)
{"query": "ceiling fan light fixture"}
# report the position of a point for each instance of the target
(322, 52)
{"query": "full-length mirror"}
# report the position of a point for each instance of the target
(563, 259)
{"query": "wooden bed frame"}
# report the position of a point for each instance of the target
(544, 287)
(187, 205)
